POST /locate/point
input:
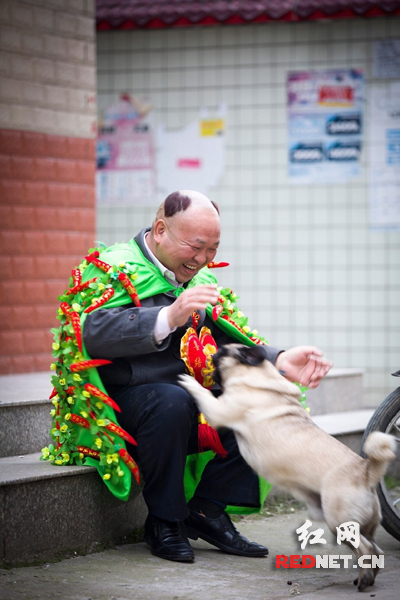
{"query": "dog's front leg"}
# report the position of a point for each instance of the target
(213, 409)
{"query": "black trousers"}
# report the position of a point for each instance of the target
(162, 417)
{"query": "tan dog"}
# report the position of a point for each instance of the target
(278, 439)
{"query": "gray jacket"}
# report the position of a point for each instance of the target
(125, 336)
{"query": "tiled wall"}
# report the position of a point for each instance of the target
(47, 152)
(304, 260)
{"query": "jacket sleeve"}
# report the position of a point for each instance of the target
(223, 338)
(122, 332)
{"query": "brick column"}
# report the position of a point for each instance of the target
(47, 168)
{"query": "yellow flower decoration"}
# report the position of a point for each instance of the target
(101, 287)
(70, 400)
(120, 473)
(76, 377)
(53, 367)
(58, 461)
(86, 394)
(106, 476)
(64, 428)
(55, 346)
(62, 381)
(76, 307)
(45, 452)
(67, 416)
(99, 405)
(98, 442)
(84, 414)
(81, 455)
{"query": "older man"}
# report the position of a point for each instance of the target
(144, 345)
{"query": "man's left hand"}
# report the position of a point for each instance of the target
(303, 364)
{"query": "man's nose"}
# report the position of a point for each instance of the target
(201, 257)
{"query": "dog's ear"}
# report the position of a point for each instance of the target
(252, 356)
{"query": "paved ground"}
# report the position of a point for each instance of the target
(131, 573)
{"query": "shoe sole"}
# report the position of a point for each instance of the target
(194, 534)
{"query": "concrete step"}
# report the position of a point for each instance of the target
(49, 512)
(348, 427)
(24, 413)
(340, 390)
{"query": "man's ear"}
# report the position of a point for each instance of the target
(160, 229)
(252, 356)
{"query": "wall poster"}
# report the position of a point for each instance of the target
(384, 156)
(325, 125)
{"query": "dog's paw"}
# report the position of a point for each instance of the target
(188, 383)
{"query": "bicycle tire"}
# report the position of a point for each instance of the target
(386, 418)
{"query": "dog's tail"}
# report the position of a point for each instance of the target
(380, 449)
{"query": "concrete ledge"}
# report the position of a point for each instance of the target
(341, 423)
(340, 390)
(48, 512)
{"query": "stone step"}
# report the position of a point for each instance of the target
(49, 512)
(348, 426)
(340, 390)
(24, 413)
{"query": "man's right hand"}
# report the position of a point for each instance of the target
(192, 299)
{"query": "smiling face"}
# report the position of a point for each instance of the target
(188, 241)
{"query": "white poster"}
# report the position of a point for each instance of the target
(385, 156)
(192, 157)
(387, 59)
(325, 125)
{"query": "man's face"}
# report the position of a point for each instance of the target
(188, 242)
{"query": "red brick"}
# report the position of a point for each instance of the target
(11, 343)
(65, 264)
(81, 148)
(6, 318)
(11, 292)
(37, 340)
(23, 364)
(23, 168)
(24, 218)
(12, 192)
(11, 242)
(45, 267)
(86, 172)
(35, 144)
(58, 146)
(5, 365)
(87, 220)
(57, 194)
(54, 288)
(5, 166)
(67, 171)
(33, 292)
(56, 244)
(82, 195)
(6, 267)
(47, 218)
(43, 361)
(45, 169)
(22, 317)
(11, 141)
(23, 267)
(45, 315)
(35, 193)
(7, 217)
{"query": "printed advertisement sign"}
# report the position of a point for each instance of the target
(325, 125)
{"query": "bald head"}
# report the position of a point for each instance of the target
(185, 233)
(181, 201)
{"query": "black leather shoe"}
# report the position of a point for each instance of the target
(167, 540)
(222, 533)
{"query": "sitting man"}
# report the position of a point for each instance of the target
(144, 344)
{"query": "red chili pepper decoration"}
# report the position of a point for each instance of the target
(53, 393)
(82, 286)
(121, 432)
(217, 265)
(80, 421)
(76, 277)
(65, 308)
(82, 365)
(100, 301)
(128, 460)
(94, 391)
(126, 282)
(100, 264)
(70, 390)
(76, 324)
(216, 311)
(88, 451)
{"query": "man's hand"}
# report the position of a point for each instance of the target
(303, 364)
(195, 298)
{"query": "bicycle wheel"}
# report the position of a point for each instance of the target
(386, 418)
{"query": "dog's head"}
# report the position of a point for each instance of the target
(232, 355)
